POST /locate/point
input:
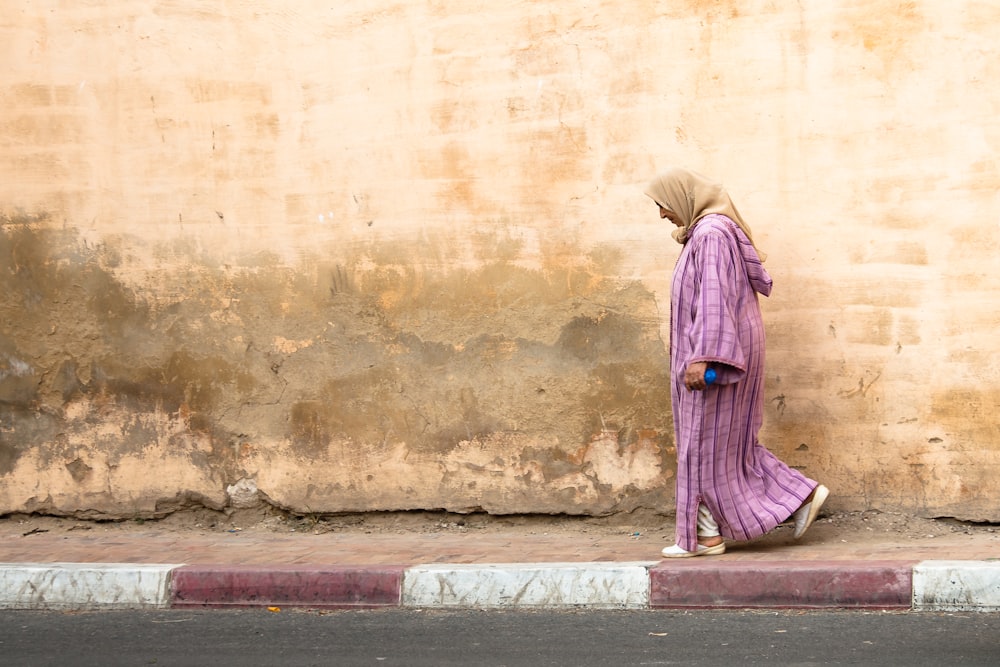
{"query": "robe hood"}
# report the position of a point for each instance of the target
(760, 279)
(758, 276)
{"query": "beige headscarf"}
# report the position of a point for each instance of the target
(692, 196)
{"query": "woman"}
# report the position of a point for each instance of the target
(728, 485)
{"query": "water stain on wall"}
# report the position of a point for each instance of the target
(888, 31)
(349, 365)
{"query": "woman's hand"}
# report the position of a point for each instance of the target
(694, 375)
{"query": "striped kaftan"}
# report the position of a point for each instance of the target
(715, 317)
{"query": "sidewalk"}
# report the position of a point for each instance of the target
(95, 567)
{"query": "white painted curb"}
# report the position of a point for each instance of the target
(956, 585)
(527, 585)
(77, 586)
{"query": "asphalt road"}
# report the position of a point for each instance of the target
(515, 639)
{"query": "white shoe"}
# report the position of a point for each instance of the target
(676, 552)
(805, 515)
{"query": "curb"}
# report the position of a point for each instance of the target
(703, 584)
(309, 586)
(955, 585)
(78, 586)
(529, 585)
(783, 585)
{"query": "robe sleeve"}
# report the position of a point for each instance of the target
(715, 329)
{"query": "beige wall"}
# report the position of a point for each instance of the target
(396, 256)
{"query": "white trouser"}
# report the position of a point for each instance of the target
(707, 527)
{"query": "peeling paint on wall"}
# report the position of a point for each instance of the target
(376, 402)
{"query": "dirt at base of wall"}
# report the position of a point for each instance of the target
(859, 527)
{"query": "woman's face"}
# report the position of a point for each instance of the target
(666, 213)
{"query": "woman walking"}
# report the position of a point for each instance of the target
(728, 485)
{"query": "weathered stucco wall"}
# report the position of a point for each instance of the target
(390, 255)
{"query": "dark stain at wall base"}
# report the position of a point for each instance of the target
(312, 355)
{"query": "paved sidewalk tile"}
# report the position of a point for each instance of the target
(708, 583)
(956, 585)
(100, 544)
(83, 586)
(526, 585)
(286, 585)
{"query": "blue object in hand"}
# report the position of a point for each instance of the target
(709, 376)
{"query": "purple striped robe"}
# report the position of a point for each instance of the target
(715, 317)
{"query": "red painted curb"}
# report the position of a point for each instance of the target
(705, 584)
(291, 586)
